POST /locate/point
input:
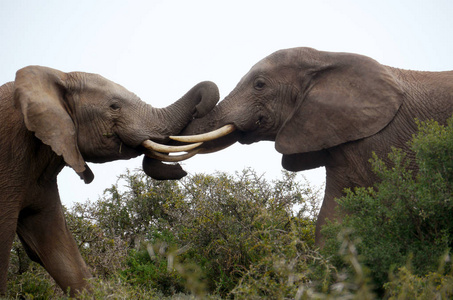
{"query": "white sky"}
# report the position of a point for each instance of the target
(160, 49)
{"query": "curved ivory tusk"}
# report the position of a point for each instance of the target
(204, 137)
(174, 158)
(150, 145)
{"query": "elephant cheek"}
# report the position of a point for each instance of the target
(160, 171)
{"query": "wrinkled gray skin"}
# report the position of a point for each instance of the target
(50, 119)
(329, 109)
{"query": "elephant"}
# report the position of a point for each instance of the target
(326, 109)
(51, 119)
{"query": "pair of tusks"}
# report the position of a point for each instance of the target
(161, 152)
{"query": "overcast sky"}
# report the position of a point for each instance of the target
(160, 49)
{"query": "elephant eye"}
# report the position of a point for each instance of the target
(115, 106)
(259, 84)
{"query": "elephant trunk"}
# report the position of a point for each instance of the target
(196, 103)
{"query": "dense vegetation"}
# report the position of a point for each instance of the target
(240, 236)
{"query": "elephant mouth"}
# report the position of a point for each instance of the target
(168, 153)
(247, 139)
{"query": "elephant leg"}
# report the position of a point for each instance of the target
(8, 223)
(326, 212)
(336, 182)
(48, 241)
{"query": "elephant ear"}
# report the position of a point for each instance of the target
(40, 94)
(351, 97)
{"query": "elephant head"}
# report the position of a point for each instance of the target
(85, 117)
(305, 100)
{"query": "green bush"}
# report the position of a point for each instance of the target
(406, 285)
(407, 217)
(152, 273)
(204, 235)
(34, 283)
(236, 223)
(241, 236)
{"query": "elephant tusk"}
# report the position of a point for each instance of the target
(204, 137)
(150, 145)
(171, 158)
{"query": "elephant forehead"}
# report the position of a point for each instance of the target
(94, 84)
(264, 66)
(296, 57)
(89, 82)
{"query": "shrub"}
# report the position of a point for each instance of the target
(406, 285)
(34, 283)
(241, 236)
(236, 224)
(152, 273)
(215, 228)
(407, 216)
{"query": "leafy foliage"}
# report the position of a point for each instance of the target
(240, 236)
(244, 221)
(407, 217)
